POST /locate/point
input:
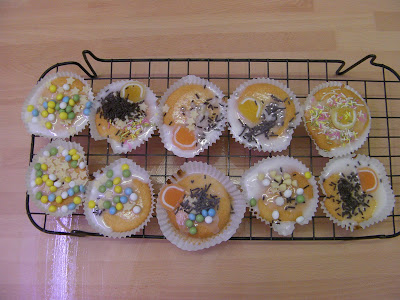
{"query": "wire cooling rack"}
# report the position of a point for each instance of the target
(377, 83)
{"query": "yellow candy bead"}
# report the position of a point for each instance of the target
(71, 102)
(38, 181)
(43, 167)
(91, 204)
(63, 115)
(125, 167)
(59, 199)
(67, 179)
(53, 88)
(45, 177)
(72, 152)
(51, 104)
(119, 206)
(59, 97)
(44, 199)
(50, 110)
(75, 157)
(30, 108)
(48, 125)
(52, 208)
(44, 113)
(49, 182)
(53, 189)
(118, 189)
(307, 175)
(116, 180)
(77, 200)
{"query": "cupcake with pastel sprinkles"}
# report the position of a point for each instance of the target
(199, 207)
(282, 192)
(357, 192)
(125, 113)
(262, 114)
(56, 178)
(193, 116)
(337, 119)
(58, 106)
(119, 201)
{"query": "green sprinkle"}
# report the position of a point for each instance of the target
(110, 173)
(109, 183)
(300, 199)
(53, 151)
(199, 218)
(116, 199)
(37, 166)
(192, 230)
(189, 223)
(107, 204)
(74, 163)
(253, 202)
(38, 195)
(126, 173)
(102, 189)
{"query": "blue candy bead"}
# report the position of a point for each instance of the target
(112, 210)
(68, 157)
(71, 206)
(88, 104)
(70, 192)
(45, 104)
(192, 217)
(82, 188)
(128, 191)
(204, 213)
(123, 199)
(211, 212)
(52, 197)
(86, 111)
(65, 99)
(35, 112)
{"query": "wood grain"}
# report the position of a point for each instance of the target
(37, 34)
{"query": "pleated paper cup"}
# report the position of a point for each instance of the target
(193, 244)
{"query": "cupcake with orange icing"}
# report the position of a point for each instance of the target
(119, 201)
(262, 114)
(125, 113)
(337, 119)
(357, 192)
(199, 207)
(193, 116)
(281, 192)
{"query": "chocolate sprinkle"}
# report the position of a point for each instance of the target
(113, 107)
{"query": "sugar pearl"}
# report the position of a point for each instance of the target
(82, 165)
(66, 87)
(287, 193)
(64, 152)
(137, 209)
(46, 153)
(57, 184)
(279, 201)
(266, 182)
(299, 191)
(51, 117)
(275, 214)
(208, 219)
(133, 197)
(33, 183)
(52, 177)
(300, 219)
(63, 105)
(35, 120)
(64, 208)
(64, 195)
(72, 184)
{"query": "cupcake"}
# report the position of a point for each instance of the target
(58, 106)
(337, 119)
(119, 201)
(199, 207)
(125, 113)
(193, 116)
(357, 191)
(56, 178)
(281, 191)
(262, 114)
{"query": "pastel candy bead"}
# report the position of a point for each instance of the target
(77, 200)
(125, 167)
(53, 151)
(253, 202)
(82, 165)
(300, 199)
(35, 112)
(112, 210)
(37, 166)
(52, 197)
(189, 223)
(52, 208)
(64, 152)
(193, 230)
(116, 180)
(118, 189)
(30, 108)
(71, 206)
(76, 156)
(52, 88)
(88, 104)
(110, 173)
(74, 164)
(91, 204)
(208, 219)
(128, 191)
(66, 87)
(44, 199)
(63, 105)
(116, 199)
(204, 212)
(192, 217)
(307, 175)
(119, 206)
(137, 209)
(46, 153)
(133, 197)
(68, 157)
(75, 97)
(64, 208)
(76, 189)
(35, 120)
(279, 201)
(86, 111)
(70, 192)
(58, 199)
(109, 183)
(266, 182)
(300, 219)
(51, 117)
(126, 173)
(275, 214)
(64, 195)
(102, 189)
(199, 218)
(59, 97)
(211, 212)
(45, 105)
(71, 184)
(82, 188)
(287, 193)
(123, 199)
(299, 191)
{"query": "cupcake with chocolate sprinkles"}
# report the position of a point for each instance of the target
(193, 116)
(199, 207)
(262, 114)
(125, 113)
(357, 192)
(281, 192)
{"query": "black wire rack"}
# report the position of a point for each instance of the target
(379, 85)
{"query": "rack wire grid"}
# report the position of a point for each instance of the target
(377, 83)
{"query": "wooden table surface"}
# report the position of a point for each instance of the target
(37, 34)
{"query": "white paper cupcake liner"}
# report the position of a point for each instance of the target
(30, 176)
(275, 144)
(212, 136)
(193, 244)
(267, 164)
(385, 204)
(37, 128)
(153, 117)
(96, 222)
(350, 147)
